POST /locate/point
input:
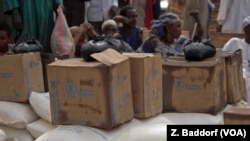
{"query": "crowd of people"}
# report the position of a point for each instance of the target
(125, 21)
(89, 19)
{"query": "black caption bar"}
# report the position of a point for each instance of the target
(214, 132)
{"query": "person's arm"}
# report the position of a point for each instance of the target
(91, 30)
(86, 3)
(194, 7)
(222, 13)
(17, 19)
(121, 19)
(79, 36)
(12, 7)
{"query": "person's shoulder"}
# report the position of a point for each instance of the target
(234, 40)
(232, 44)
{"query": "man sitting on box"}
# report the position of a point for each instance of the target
(243, 44)
(5, 39)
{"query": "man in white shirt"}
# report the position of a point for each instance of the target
(97, 11)
(243, 44)
(230, 15)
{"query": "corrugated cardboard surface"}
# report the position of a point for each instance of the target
(236, 89)
(146, 77)
(239, 114)
(19, 75)
(194, 86)
(90, 93)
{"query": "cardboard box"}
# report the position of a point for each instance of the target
(48, 58)
(96, 94)
(146, 79)
(194, 86)
(19, 75)
(239, 114)
(236, 88)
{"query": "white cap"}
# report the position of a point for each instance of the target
(246, 22)
(109, 22)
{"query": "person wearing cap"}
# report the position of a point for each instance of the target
(244, 44)
(166, 36)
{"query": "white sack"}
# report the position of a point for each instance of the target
(16, 115)
(39, 127)
(40, 102)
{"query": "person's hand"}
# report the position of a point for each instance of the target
(17, 20)
(121, 19)
(91, 30)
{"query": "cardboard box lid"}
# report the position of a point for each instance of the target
(138, 55)
(75, 62)
(109, 57)
(222, 53)
(243, 110)
(181, 61)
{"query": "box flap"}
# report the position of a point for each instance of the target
(109, 57)
(181, 61)
(138, 55)
(75, 62)
(239, 110)
(227, 53)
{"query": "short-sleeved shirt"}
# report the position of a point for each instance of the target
(133, 39)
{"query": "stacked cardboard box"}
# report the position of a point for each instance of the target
(194, 86)
(239, 114)
(146, 81)
(19, 75)
(236, 89)
(96, 94)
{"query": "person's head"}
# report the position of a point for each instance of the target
(246, 27)
(171, 24)
(5, 37)
(109, 27)
(130, 13)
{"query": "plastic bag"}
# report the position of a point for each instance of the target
(62, 41)
(100, 44)
(27, 43)
(198, 50)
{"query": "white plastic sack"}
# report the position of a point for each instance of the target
(116, 131)
(39, 127)
(16, 115)
(156, 120)
(196, 118)
(71, 133)
(40, 102)
(14, 134)
(147, 132)
(2, 135)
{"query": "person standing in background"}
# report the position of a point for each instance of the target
(147, 11)
(230, 15)
(74, 11)
(34, 17)
(196, 13)
(4, 17)
(97, 11)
